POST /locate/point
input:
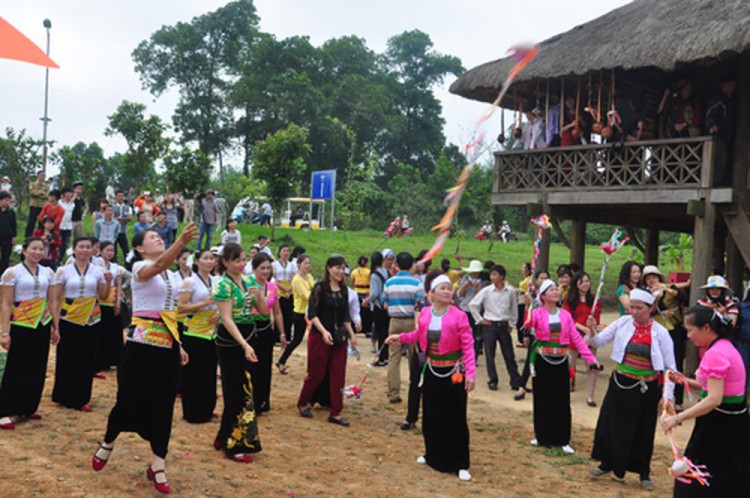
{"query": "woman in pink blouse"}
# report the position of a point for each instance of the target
(555, 333)
(265, 333)
(721, 436)
(448, 375)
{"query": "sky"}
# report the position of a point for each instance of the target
(92, 41)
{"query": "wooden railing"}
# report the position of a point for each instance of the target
(651, 164)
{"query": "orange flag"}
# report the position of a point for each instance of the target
(14, 45)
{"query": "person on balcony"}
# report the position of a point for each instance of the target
(684, 114)
(632, 116)
(570, 133)
(534, 130)
(720, 117)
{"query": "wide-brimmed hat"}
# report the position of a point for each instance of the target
(652, 270)
(474, 267)
(716, 282)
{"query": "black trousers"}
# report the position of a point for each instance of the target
(32, 222)
(476, 332)
(415, 392)
(65, 237)
(381, 321)
(287, 312)
(6, 247)
(679, 338)
(493, 334)
(299, 333)
(122, 241)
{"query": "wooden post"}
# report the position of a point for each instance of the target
(741, 152)
(578, 243)
(717, 261)
(542, 263)
(703, 255)
(652, 247)
(735, 266)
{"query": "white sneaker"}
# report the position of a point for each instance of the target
(421, 459)
(568, 449)
(534, 442)
(464, 475)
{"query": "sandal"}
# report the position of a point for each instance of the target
(161, 487)
(282, 368)
(241, 458)
(97, 462)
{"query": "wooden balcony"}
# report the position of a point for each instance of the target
(671, 171)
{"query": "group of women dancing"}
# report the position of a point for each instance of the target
(184, 327)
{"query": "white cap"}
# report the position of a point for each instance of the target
(440, 279)
(642, 295)
(546, 285)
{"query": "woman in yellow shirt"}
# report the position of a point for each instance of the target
(302, 285)
(361, 282)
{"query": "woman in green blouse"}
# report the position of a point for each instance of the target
(235, 295)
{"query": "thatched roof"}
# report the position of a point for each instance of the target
(660, 34)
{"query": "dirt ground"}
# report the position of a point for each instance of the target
(301, 457)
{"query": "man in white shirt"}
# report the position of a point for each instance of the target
(263, 247)
(66, 224)
(265, 219)
(495, 309)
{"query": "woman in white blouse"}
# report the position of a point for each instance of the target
(198, 377)
(150, 363)
(29, 319)
(111, 337)
(81, 286)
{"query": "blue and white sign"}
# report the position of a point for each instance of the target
(323, 185)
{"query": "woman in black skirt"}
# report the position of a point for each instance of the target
(236, 295)
(81, 285)
(449, 374)
(721, 436)
(111, 337)
(554, 334)
(29, 322)
(150, 363)
(198, 377)
(268, 329)
(642, 351)
(283, 273)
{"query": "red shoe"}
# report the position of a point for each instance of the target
(85, 408)
(242, 458)
(98, 463)
(100, 376)
(8, 426)
(216, 444)
(161, 487)
(36, 416)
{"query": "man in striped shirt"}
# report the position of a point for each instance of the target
(400, 296)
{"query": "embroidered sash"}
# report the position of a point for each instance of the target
(31, 313)
(151, 332)
(199, 325)
(81, 311)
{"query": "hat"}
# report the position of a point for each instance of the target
(6, 179)
(440, 279)
(388, 252)
(474, 267)
(652, 270)
(642, 295)
(716, 282)
(217, 250)
(146, 192)
(546, 285)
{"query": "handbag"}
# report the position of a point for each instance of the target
(339, 334)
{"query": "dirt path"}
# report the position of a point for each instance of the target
(372, 458)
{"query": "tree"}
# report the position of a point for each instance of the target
(280, 163)
(198, 58)
(86, 163)
(187, 171)
(145, 139)
(416, 134)
(19, 160)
